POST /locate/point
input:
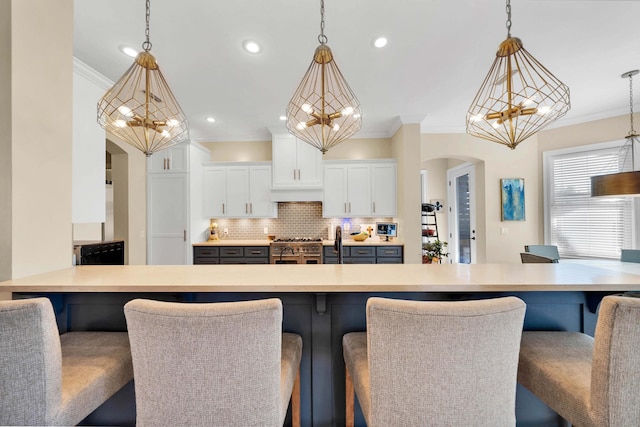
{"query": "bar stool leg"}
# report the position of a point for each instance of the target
(295, 402)
(349, 398)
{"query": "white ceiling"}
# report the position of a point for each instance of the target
(438, 54)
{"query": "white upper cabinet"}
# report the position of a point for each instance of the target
(238, 191)
(383, 189)
(173, 159)
(295, 163)
(359, 189)
(214, 181)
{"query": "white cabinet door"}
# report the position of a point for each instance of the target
(359, 190)
(168, 218)
(295, 163)
(237, 192)
(384, 189)
(284, 161)
(334, 202)
(174, 159)
(260, 193)
(214, 183)
(309, 160)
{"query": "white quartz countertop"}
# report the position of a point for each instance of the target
(333, 278)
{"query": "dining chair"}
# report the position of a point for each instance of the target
(213, 364)
(590, 382)
(630, 255)
(435, 362)
(549, 251)
(51, 379)
(529, 258)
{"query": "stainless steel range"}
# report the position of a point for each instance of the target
(296, 251)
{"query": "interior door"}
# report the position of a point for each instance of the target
(462, 215)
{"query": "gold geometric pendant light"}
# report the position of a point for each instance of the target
(140, 108)
(323, 111)
(621, 183)
(518, 97)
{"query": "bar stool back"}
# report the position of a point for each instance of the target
(587, 381)
(213, 364)
(48, 379)
(435, 363)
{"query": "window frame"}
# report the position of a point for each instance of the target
(547, 159)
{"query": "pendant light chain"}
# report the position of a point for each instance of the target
(322, 38)
(147, 44)
(508, 18)
(632, 130)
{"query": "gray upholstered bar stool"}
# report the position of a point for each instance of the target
(52, 379)
(589, 382)
(529, 258)
(435, 363)
(213, 364)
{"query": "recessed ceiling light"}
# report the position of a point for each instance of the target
(283, 118)
(129, 51)
(210, 119)
(251, 46)
(380, 42)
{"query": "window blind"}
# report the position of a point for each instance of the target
(581, 225)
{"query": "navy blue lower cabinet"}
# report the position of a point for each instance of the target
(365, 254)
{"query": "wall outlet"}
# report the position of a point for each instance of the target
(504, 231)
(266, 230)
(226, 231)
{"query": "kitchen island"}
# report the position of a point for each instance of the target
(322, 302)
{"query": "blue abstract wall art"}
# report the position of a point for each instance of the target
(512, 197)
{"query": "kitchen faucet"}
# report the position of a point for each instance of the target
(337, 246)
(284, 249)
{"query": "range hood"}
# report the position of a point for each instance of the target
(306, 194)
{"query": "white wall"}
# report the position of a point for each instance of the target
(88, 172)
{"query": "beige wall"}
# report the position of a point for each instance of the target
(494, 162)
(406, 150)
(260, 151)
(5, 141)
(239, 151)
(39, 136)
(359, 149)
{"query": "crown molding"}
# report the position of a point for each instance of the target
(91, 74)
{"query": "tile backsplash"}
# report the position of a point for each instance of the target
(295, 219)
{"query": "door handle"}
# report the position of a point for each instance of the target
(185, 235)
(168, 163)
(374, 207)
(223, 208)
(473, 238)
